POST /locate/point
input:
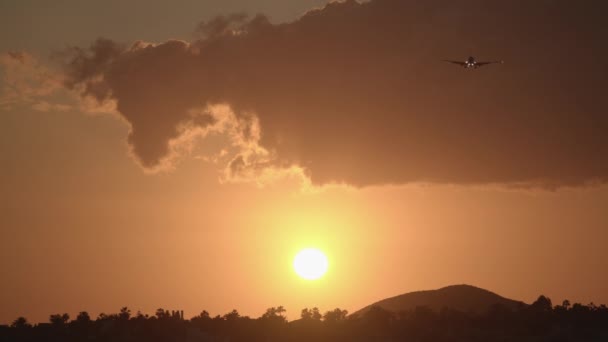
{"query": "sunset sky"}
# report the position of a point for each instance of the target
(178, 154)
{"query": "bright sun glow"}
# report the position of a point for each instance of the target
(310, 264)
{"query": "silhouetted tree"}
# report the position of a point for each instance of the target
(542, 304)
(59, 319)
(20, 323)
(335, 316)
(162, 314)
(275, 314)
(203, 316)
(562, 310)
(311, 314)
(124, 314)
(140, 316)
(231, 316)
(83, 317)
(536, 322)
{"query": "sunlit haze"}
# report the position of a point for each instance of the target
(229, 154)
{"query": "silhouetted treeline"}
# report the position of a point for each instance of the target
(540, 321)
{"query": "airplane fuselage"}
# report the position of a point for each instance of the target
(470, 63)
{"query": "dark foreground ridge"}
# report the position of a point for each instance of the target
(467, 314)
(465, 298)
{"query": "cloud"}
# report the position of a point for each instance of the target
(221, 25)
(355, 92)
(45, 106)
(27, 81)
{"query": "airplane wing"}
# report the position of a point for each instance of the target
(454, 62)
(490, 62)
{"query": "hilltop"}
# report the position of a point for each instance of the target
(464, 298)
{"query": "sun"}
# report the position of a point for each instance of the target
(310, 264)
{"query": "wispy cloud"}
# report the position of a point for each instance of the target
(26, 81)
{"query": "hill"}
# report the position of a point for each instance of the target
(464, 298)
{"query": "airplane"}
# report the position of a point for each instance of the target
(472, 63)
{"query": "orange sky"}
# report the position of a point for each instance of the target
(85, 228)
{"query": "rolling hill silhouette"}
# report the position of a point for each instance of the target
(464, 298)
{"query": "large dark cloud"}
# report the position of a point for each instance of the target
(356, 93)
